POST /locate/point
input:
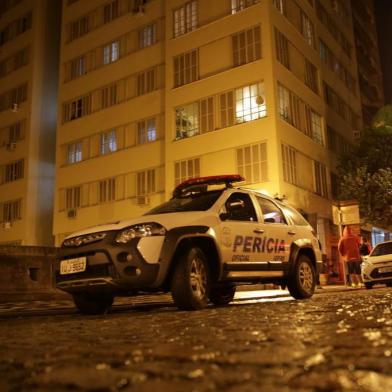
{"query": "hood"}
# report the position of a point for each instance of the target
(347, 232)
(169, 221)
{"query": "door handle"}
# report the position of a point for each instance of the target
(291, 232)
(258, 231)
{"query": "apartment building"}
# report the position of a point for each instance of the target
(156, 92)
(29, 38)
(369, 67)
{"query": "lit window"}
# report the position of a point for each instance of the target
(250, 103)
(111, 52)
(108, 142)
(147, 36)
(147, 131)
(74, 153)
(185, 18)
(187, 121)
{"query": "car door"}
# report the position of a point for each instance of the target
(278, 234)
(238, 230)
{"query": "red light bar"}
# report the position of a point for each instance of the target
(226, 179)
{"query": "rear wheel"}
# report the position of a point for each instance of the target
(190, 284)
(222, 294)
(93, 303)
(368, 285)
(302, 280)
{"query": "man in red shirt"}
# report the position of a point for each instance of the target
(349, 250)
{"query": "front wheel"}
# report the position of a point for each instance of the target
(301, 281)
(92, 303)
(190, 284)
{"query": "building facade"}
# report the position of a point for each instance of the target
(155, 92)
(29, 45)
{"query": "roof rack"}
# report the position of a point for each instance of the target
(200, 184)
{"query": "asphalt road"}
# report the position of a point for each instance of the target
(336, 341)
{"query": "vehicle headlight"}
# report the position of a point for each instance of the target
(138, 231)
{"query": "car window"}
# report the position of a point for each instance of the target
(247, 213)
(271, 212)
(295, 216)
(382, 249)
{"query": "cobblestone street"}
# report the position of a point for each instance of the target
(336, 341)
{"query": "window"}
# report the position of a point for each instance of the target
(252, 163)
(207, 115)
(15, 28)
(147, 36)
(186, 169)
(109, 96)
(239, 5)
(187, 121)
(284, 103)
(185, 18)
(77, 108)
(271, 212)
(145, 182)
(146, 131)
(320, 176)
(289, 164)
(311, 78)
(78, 28)
(307, 29)
(246, 46)
(226, 109)
(146, 81)
(110, 11)
(74, 152)
(12, 210)
(248, 213)
(13, 171)
(316, 127)
(282, 49)
(108, 142)
(111, 52)
(78, 67)
(280, 5)
(72, 197)
(186, 68)
(250, 103)
(107, 190)
(15, 132)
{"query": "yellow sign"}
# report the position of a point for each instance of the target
(346, 214)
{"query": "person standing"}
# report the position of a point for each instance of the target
(349, 250)
(364, 247)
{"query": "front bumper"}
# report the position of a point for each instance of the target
(375, 274)
(110, 267)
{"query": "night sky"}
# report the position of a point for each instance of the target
(384, 26)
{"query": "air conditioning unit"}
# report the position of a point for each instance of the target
(141, 200)
(15, 107)
(11, 146)
(71, 213)
(356, 134)
(7, 225)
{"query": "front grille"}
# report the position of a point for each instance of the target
(92, 271)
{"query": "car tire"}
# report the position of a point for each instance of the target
(92, 304)
(301, 281)
(190, 283)
(368, 285)
(222, 294)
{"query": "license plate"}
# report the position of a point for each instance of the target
(72, 266)
(383, 270)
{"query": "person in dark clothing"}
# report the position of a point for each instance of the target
(364, 247)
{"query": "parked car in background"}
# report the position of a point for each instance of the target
(377, 267)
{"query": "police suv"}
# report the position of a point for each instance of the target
(209, 237)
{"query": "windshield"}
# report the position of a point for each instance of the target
(382, 249)
(197, 202)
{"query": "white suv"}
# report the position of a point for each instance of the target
(198, 245)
